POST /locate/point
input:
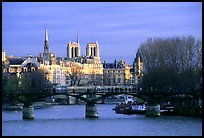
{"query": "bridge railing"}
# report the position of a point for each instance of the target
(77, 89)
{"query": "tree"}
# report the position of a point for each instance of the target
(10, 87)
(76, 75)
(15, 85)
(5, 78)
(39, 80)
(171, 63)
(107, 79)
(28, 82)
(96, 79)
(40, 85)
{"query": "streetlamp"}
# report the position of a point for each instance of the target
(140, 89)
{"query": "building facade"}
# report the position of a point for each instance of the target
(55, 74)
(30, 64)
(14, 65)
(117, 73)
(137, 70)
(3, 56)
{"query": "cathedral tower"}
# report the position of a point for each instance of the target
(92, 49)
(73, 49)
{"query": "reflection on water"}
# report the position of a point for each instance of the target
(69, 120)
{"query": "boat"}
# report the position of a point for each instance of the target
(127, 108)
(168, 110)
(140, 108)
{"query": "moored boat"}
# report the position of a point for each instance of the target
(127, 108)
(169, 110)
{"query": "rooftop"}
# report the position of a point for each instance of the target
(16, 60)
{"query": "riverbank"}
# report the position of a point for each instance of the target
(37, 105)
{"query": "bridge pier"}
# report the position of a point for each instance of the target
(28, 112)
(91, 110)
(153, 110)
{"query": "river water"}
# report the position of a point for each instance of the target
(69, 120)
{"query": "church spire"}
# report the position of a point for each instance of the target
(46, 47)
(46, 33)
(77, 38)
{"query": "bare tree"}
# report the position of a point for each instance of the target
(96, 79)
(107, 79)
(76, 75)
(172, 63)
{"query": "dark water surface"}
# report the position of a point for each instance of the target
(69, 120)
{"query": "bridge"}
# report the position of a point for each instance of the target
(92, 95)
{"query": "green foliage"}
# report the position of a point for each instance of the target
(12, 85)
(27, 83)
(15, 85)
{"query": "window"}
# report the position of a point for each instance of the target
(119, 80)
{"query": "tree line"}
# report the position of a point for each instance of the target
(173, 64)
(27, 82)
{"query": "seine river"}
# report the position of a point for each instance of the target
(69, 120)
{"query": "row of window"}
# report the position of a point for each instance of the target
(113, 71)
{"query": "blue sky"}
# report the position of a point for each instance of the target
(119, 27)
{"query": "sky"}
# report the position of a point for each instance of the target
(118, 27)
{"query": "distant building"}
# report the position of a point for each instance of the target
(30, 64)
(5, 63)
(47, 57)
(3, 55)
(14, 65)
(117, 73)
(90, 65)
(18, 65)
(73, 49)
(137, 68)
(59, 61)
(56, 74)
(92, 49)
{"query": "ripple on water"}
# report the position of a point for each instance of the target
(70, 121)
